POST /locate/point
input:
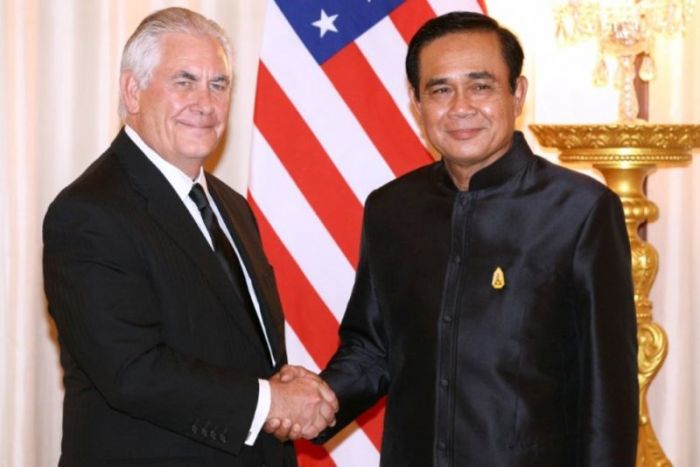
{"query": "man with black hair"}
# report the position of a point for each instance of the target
(493, 302)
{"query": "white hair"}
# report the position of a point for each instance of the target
(142, 51)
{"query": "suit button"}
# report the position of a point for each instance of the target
(212, 435)
(194, 429)
(444, 382)
(442, 445)
(447, 319)
(222, 438)
(203, 432)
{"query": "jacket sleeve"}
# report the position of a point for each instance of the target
(110, 322)
(609, 393)
(358, 372)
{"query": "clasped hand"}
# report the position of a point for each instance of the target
(303, 405)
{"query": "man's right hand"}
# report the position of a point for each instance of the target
(302, 404)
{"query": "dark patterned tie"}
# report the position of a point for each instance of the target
(225, 254)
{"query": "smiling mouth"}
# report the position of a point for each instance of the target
(464, 133)
(198, 126)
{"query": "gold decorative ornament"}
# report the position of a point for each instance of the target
(626, 154)
(498, 280)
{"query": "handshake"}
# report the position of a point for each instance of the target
(302, 404)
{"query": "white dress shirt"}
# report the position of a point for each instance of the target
(182, 184)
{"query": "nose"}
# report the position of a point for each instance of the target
(203, 101)
(461, 105)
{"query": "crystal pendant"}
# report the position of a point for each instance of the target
(600, 73)
(628, 105)
(568, 25)
(647, 70)
(559, 34)
(619, 82)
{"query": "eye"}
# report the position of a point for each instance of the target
(481, 87)
(183, 83)
(219, 86)
(440, 90)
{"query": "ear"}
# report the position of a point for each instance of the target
(415, 101)
(519, 95)
(130, 92)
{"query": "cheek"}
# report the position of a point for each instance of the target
(490, 109)
(501, 109)
(432, 117)
(221, 112)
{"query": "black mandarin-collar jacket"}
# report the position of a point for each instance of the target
(540, 372)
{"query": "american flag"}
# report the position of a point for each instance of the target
(332, 122)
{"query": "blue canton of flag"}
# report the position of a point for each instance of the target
(326, 26)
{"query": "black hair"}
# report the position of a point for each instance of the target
(463, 21)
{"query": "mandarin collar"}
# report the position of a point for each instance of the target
(512, 162)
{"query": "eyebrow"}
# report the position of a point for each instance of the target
(481, 75)
(184, 74)
(187, 75)
(472, 75)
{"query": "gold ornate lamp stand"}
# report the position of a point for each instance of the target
(626, 154)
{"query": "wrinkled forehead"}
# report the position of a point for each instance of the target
(199, 50)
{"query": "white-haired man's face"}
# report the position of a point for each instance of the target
(183, 111)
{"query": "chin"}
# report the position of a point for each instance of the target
(199, 146)
(466, 155)
(194, 136)
(200, 154)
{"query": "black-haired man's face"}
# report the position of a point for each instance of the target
(466, 105)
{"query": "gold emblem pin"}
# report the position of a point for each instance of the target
(498, 281)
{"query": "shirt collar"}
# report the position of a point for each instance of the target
(180, 181)
(497, 173)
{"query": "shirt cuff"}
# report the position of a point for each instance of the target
(261, 411)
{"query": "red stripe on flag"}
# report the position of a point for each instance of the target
(312, 455)
(375, 110)
(372, 422)
(410, 16)
(482, 4)
(308, 164)
(303, 309)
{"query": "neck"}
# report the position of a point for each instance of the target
(461, 172)
(460, 175)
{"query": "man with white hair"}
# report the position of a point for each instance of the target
(169, 322)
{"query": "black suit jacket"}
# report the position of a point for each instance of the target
(160, 357)
(539, 372)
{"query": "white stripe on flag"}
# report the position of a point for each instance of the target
(323, 109)
(297, 353)
(352, 448)
(385, 49)
(299, 228)
(440, 7)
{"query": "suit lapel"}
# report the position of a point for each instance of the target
(248, 246)
(168, 211)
